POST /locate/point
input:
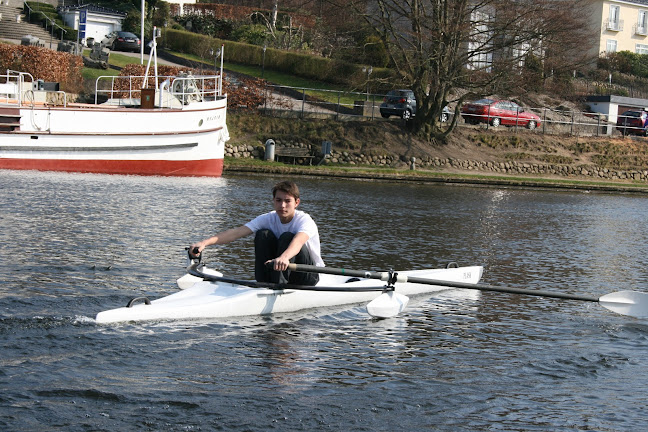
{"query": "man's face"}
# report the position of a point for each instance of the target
(285, 206)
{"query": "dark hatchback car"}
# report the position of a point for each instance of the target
(633, 122)
(401, 103)
(122, 41)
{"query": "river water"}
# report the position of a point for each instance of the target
(77, 244)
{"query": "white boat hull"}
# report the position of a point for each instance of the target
(118, 137)
(208, 300)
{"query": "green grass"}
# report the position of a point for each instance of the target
(119, 60)
(91, 75)
(328, 92)
(122, 60)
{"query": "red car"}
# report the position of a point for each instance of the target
(499, 112)
(633, 122)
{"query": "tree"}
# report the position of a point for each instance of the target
(451, 50)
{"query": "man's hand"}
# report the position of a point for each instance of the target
(279, 263)
(196, 249)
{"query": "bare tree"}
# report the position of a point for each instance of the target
(450, 50)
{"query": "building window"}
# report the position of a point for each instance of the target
(641, 49)
(642, 22)
(611, 46)
(480, 46)
(614, 23)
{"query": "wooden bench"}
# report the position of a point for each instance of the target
(294, 153)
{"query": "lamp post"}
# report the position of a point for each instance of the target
(368, 70)
(263, 61)
(218, 53)
(143, 14)
(214, 54)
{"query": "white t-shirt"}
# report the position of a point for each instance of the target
(301, 222)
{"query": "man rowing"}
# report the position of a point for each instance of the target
(285, 235)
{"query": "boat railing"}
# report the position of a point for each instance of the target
(12, 86)
(184, 88)
(189, 87)
(61, 99)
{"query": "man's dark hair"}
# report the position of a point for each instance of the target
(288, 187)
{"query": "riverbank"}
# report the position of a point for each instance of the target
(240, 166)
(382, 150)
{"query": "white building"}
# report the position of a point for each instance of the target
(181, 3)
(99, 21)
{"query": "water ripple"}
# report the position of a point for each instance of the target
(458, 360)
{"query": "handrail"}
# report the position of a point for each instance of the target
(19, 73)
(184, 88)
(19, 79)
(48, 18)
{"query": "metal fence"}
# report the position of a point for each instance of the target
(285, 101)
(309, 102)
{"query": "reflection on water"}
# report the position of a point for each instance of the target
(77, 244)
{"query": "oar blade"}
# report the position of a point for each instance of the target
(387, 305)
(631, 303)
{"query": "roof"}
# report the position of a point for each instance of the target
(95, 9)
(620, 100)
(641, 2)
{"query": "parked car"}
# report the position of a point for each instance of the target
(633, 122)
(499, 112)
(401, 103)
(122, 41)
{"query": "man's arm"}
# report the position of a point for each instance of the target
(223, 237)
(282, 261)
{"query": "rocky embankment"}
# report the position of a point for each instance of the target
(468, 151)
(453, 165)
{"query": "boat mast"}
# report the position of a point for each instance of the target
(220, 81)
(153, 55)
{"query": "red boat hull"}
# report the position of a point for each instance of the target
(198, 168)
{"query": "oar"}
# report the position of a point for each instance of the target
(631, 303)
(195, 271)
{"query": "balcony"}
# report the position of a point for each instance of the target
(614, 25)
(640, 30)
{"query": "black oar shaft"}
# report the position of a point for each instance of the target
(337, 271)
(426, 281)
(195, 271)
(483, 287)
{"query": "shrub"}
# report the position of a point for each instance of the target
(303, 65)
(43, 63)
(556, 159)
(206, 24)
(254, 34)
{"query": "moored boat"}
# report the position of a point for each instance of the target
(222, 298)
(149, 125)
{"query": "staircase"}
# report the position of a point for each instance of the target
(9, 119)
(12, 30)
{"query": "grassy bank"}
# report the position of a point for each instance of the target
(257, 167)
(500, 146)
